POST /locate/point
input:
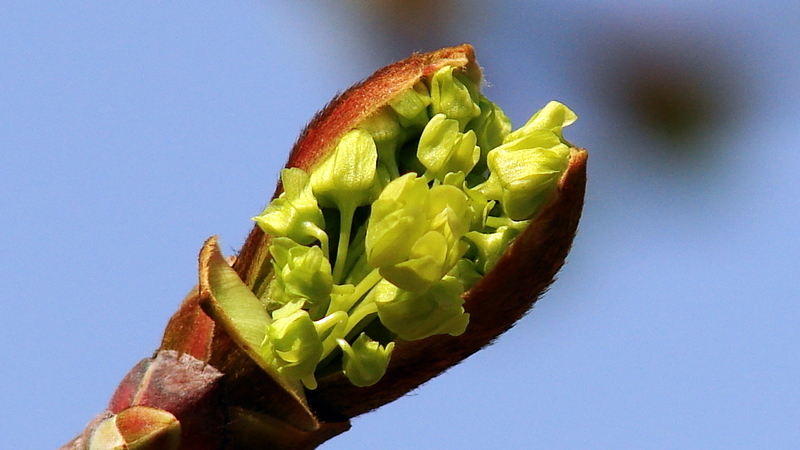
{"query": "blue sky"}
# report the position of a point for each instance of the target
(131, 132)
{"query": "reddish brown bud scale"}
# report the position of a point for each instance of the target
(143, 427)
(190, 330)
(182, 385)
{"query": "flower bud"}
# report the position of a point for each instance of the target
(295, 214)
(554, 117)
(491, 128)
(528, 165)
(292, 343)
(443, 149)
(408, 243)
(388, 135)
(413, 234)
(413, 316)
(365, 362)
(411, 106)
(346, 178)
(524, 176)
(451, 96)
(301, 273)
(490, 246)
(397, 220)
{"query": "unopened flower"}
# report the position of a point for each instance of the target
(527, 166)
(438, 310)
(301, 273)
(295, 214)
(292, 343)
(442, 149)
(411, 106)
(454, 95)
(365, 362)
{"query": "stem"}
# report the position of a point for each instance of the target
(346, 214)
(428, 177)
(496, 222)
(337, 321)
(358, 254)
(363, 287)
(329, 345)
(321, 236)
(362, 311)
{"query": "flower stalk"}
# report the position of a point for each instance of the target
(411, 227)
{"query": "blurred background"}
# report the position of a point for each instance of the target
(132, 131)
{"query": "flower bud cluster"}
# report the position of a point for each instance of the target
(379, 242)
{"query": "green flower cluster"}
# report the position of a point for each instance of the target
(380, 241)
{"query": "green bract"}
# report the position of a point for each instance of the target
(420, 200)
